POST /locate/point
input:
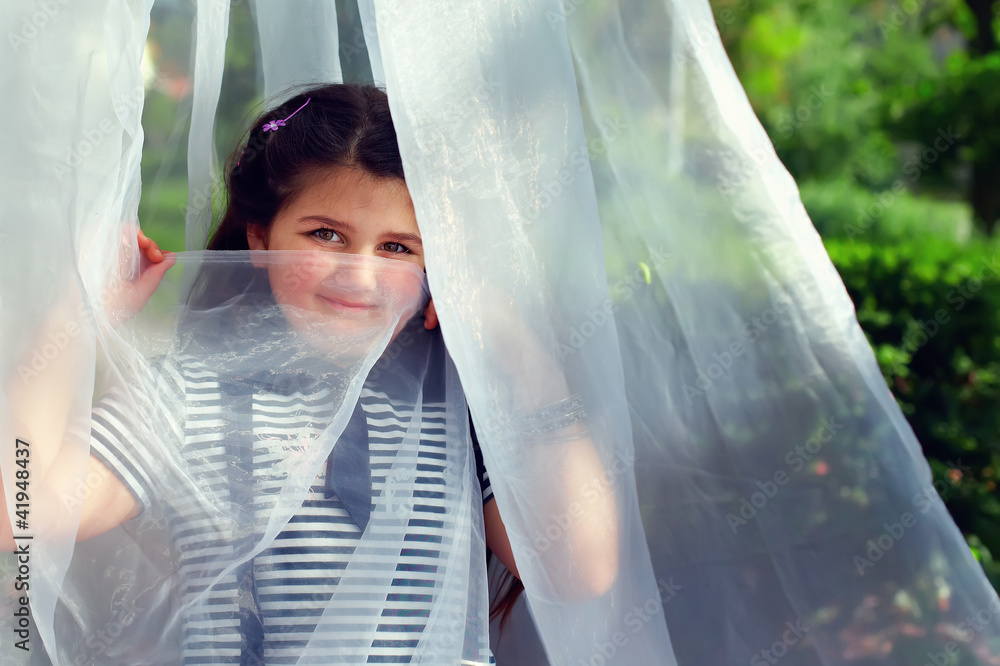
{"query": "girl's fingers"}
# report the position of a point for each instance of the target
(150, 280)
(149, 246)
(153, 251)
(134, 295)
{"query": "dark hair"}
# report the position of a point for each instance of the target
(342, 125)
(505, 593)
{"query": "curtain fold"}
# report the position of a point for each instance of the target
(784, 502)
(694, 453)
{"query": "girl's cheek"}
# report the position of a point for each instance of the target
(291, 283)
(402, 292)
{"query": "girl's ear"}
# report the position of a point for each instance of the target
(430, 316)
(256, 240)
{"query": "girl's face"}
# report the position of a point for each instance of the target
(363, 262)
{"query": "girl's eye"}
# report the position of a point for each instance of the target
(325, 234)
(395, 248)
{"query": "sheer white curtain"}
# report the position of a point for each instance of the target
(69, 183)
(610, 239)
(633, 186)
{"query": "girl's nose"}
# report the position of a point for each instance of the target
(356, 273)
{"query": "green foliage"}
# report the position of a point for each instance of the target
(162, 212)
(841, 209)
(931, 311)
(166, 117)
(815, 74)
(886, 113)
(860, 90)
(964, 97)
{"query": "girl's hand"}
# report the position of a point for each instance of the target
(132, 296)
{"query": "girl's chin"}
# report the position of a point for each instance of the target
(345, 332)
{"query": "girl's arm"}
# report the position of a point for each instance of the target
(41, 403)
(497, 539)
(578, 524)
(107, 505)
(583, 556)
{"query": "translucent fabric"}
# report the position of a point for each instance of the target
(69, 179)
(693, 451)
(785, 505)
(217, 406)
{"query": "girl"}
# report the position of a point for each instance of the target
(321, 186)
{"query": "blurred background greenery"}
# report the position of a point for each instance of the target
(886, 112)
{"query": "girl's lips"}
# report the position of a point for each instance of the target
(346, 305)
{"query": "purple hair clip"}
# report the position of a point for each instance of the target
(272, 125)
(275, 124)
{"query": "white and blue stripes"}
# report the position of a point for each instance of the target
(299, 571)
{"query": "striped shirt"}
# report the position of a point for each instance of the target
(298, 572)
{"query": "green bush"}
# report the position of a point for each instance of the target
(931, 311)
(840, 209)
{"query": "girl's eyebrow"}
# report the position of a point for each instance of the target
(326, 220)
(402, 236)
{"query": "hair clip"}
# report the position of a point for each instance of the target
(275, 124)
(272, 125)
